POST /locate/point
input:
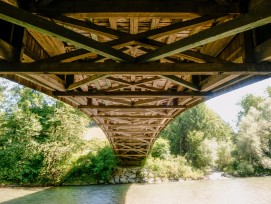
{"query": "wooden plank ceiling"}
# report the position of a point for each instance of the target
(132, 66)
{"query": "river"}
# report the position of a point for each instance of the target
(230, 191)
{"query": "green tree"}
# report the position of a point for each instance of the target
(254, 137)
(161, 149)
(247, 102)
(199, 118)
(224, 155)
(38, 136)
(196, 134)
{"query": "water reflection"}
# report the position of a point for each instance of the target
(247, 190)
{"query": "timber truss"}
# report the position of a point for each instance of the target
(132, 66)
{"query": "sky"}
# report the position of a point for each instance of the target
(227, 106)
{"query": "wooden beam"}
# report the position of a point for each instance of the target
(241, 84)
(223, 2)
(25, 19)
(139, 8)
(126, 38)
(7, 52)
(263, 52)
(88, 26)
(179, 27)
(215, 81)
(113, 23)
(231, 82)
(188, 54)
(131, 148)
(154, 23)
(135, 69)
(258, 16)
(132, 84)
(141, 37)
(42, 3)
(119, 101)
(133, 25)
(131, 125)
(68, 56)
(132, 116)
(45, 79)
(248, 47)
(147, 36)
(181, 82)
(85, 81)
(152, 100)
(131, 155)
(133, 94)
(129, 131)
(201, 56)
(131, 107)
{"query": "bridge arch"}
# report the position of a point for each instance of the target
(134, 66)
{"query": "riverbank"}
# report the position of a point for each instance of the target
(126, 176)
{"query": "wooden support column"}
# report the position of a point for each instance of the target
(248, 53)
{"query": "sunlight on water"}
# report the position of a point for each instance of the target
(7, 194)
(246, 190)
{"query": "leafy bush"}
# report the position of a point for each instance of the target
(244, 168)
(103, 163)
(173, 168)
(97, 164)
(161, 149)
(224, 156)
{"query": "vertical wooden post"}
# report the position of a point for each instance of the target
(248, 54)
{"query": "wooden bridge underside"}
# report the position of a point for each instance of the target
(132, 66)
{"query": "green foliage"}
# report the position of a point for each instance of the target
(38, 137)
(161, 149)
(248, 102)
(224, 156)
(196, 134)
(97, 163)
(244, 168)
(198, 118)
(103, 163)
(172, 168)
(268, 91)
(254, 137)
(252, 153)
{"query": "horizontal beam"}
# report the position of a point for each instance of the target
(139, 8)
(27, 20)
(263, 52)
(241, 84)
(132, 126)
(130, 107)
(131, 155)
(135, 69)
(131, 94)
(88, 26)
(129, 131)
(181, 82)
(85, 81)
(257, 17)
(132, 117)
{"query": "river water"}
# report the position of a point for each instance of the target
(230, 191)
